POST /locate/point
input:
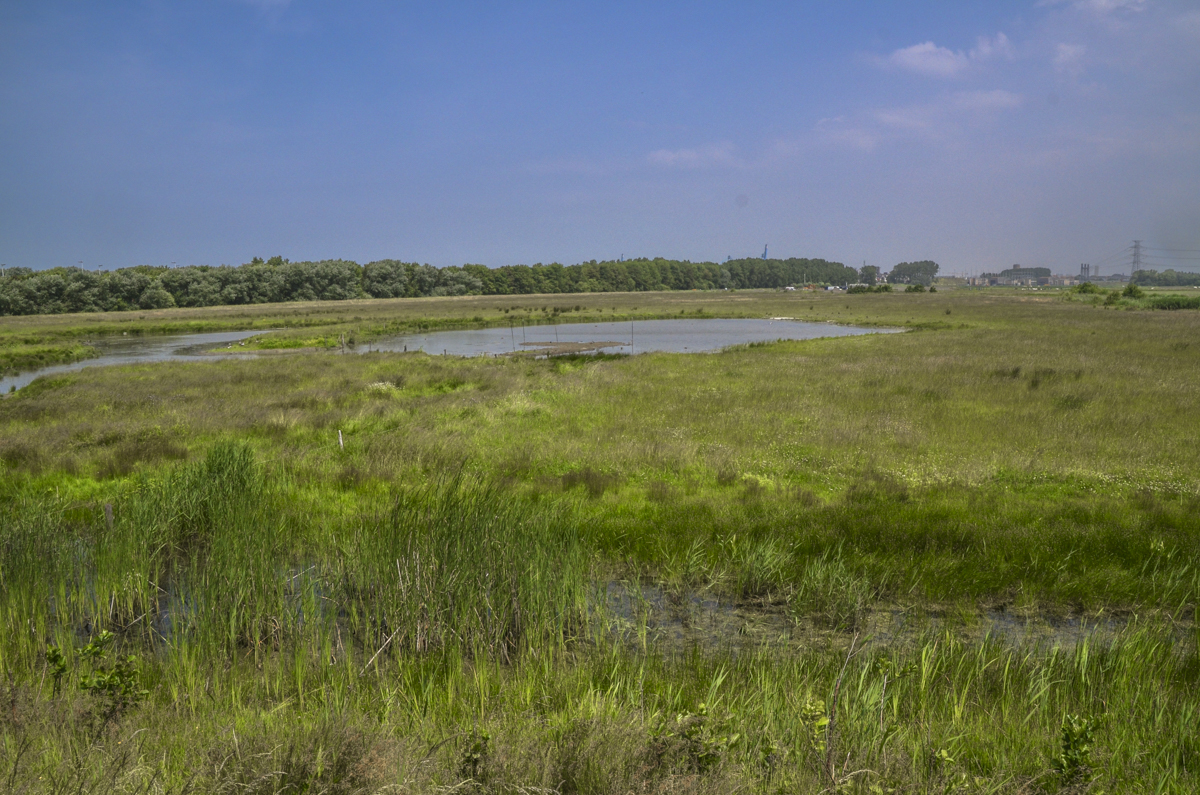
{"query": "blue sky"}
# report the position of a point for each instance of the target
(978, 134)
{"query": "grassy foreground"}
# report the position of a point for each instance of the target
(424, 608)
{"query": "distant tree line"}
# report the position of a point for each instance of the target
(1167, 278)
(922, 273)
(25, 292)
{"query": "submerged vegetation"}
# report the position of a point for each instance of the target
(961, 559)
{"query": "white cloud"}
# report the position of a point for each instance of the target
(998, 47)
(942, 119)
(836, 131)
(1068, 59)
(931, 60)
(914, 119)
(998, 99)
(714, 154)
(1109, 6)
(1110, 12)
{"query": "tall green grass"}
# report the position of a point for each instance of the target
(1174, 302)
(448, 637)
(213, 555)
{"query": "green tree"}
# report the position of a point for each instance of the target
(922, 272)
(155, 297)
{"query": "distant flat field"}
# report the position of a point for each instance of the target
(36, 340)
(385, 315)
(984, 380)
(491, 309)
(1057, 408)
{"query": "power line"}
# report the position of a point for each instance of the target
(1166, 266)
(1174, 250)
(1115, 256)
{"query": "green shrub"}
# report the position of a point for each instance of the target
(117, 687)
(1073, 763)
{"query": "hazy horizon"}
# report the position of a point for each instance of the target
(980, 135)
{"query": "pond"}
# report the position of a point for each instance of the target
(678, 336)
(695, 335)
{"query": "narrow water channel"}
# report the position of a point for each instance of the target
(131, 350)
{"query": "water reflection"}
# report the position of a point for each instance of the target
(641, 336)
(650, 617)
(678, 336)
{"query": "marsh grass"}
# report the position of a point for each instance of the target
(415, 609)
(28, 342)
(939, 713)
(956, 468)
(593, 482)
